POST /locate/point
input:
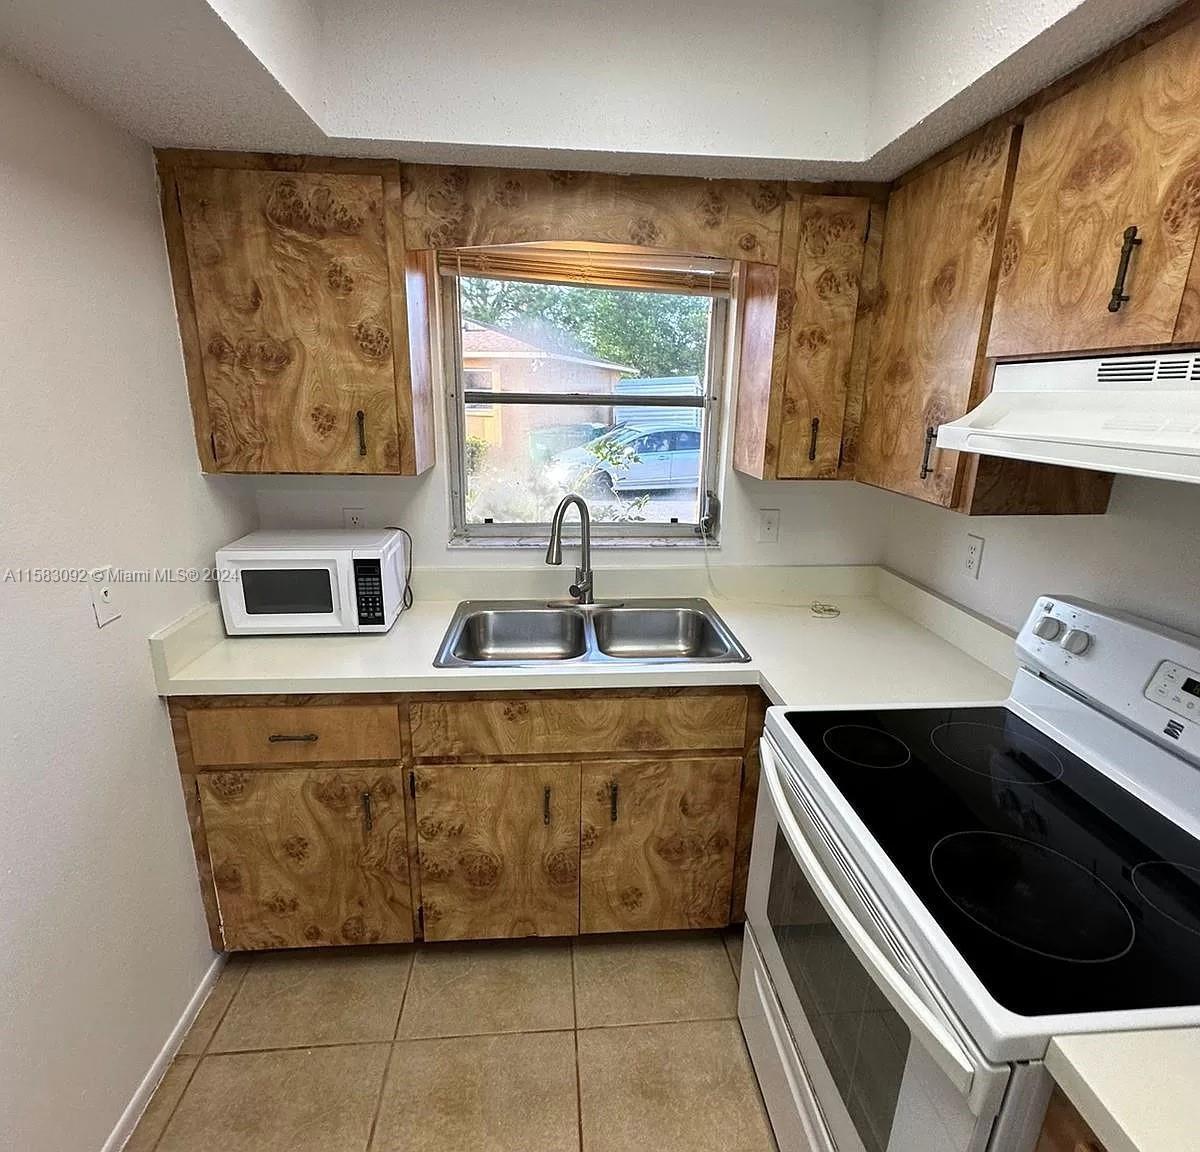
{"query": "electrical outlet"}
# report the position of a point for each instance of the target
(973, 560)
(768, 525)
(354, 518)
(104, 597)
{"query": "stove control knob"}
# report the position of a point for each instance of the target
(1076, 641)
(1048, 628)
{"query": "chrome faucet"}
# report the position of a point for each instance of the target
(581, 590)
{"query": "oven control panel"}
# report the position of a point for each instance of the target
(1177, 688)
(1145, 674)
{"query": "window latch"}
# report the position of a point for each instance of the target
(710, 515)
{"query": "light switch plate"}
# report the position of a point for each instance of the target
(104, 596)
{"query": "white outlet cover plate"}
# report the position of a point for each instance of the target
(973, 560)
(104, 597)
(768, 525)
(354, 517)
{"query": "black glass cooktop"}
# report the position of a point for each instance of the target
(1062, 891)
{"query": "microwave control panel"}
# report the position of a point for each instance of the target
(368, 587)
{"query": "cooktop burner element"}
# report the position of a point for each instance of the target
(1002, 754)
(1172, 889)
(1061, 890)
(1032, 896)
(866, 746)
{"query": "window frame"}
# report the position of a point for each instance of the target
(520, 534)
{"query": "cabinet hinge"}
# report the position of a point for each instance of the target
(412, 785)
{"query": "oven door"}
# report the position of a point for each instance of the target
(283, 594)
(886, 1066)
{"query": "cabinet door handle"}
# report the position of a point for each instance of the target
(612, 801)
(298, 738)
(360, 418)
(1129, 241)
(546, 805)
(812, 438)
(368, 820)
(930, 433)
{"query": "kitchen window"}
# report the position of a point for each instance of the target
(572, 369)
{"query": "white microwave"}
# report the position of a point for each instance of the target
(286, 582)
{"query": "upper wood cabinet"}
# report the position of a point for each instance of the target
(658, 843)
(926, 364)
(797, 336)
(1121, 151)
(498, 849)
(308, 856)
(294, 294)
(937, 262)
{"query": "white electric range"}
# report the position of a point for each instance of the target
(936, 891)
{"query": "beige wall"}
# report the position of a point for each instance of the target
(103, 942)
(1142, 557)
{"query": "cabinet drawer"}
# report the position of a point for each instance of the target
(579, 725)
(294, 735)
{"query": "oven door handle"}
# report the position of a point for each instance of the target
(931, 1031)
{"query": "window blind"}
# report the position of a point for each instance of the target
(615, 266)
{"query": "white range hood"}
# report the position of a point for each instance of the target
(1134, 413)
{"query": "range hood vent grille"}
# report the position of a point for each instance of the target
(1138, 414)
(1147, 369)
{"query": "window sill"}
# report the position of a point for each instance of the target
(599, 543)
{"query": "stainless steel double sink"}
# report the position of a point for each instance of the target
(518, 633)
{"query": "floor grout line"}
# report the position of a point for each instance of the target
(174, 1107)
(387, 1071)
(412, 963)
(236, 993)
(575, 1041)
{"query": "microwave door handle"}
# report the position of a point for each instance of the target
(933, 1034)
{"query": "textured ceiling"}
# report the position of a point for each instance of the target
(785, 88)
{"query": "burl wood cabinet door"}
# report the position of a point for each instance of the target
(818, 317)
(499, 849)
(309, 856)
(931, 326)
(657, 843)
(1121, 151)
(289, 274)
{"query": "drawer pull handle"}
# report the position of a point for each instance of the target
(301, 738)
(812, 437)
(612, 801)
(546, 805)
(1129, 241)
(361, 419)
(368, 821)
(930, 433)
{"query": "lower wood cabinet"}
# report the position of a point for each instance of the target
(1064, 1130)
(657, 843)
(331, 820)
(498, 846)
(308, 856)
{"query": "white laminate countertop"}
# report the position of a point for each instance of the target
(875, 651)
(1139, 1091)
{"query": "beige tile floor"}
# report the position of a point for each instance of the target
(609, 1044)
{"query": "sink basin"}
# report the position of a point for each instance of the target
(517, 633)
(520, 635)
(636, 633)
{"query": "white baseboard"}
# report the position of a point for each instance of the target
(141, 1098)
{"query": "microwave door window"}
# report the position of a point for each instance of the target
(287, 591)
(863, 1041)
